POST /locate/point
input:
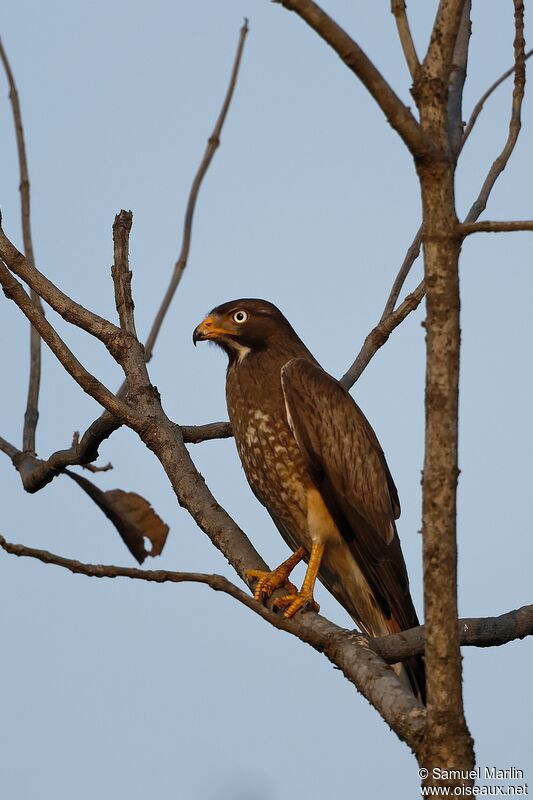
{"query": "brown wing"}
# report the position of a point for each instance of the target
(347, 464)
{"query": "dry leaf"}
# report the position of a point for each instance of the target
(132, 515)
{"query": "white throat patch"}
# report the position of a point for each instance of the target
(242, 351)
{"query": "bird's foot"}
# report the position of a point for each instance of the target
(294, 601)
(268, 582)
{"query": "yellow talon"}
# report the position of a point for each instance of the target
(268, 582)
(296, 601)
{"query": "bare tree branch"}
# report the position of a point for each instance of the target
(71, 311)
(410, 258)
(217, 582)
(515, 122)
(193, 434)
(457, 81)
(15, 291)
(399, 9)
(486, 226)
(396, 112)
(347, 650)
(483, 99)
(129, 352)
(31, 415)
(120, 271)
(212, 145)
(475, 632)
(35, 473)
(8, 448)
(89, 467)
(379, 335)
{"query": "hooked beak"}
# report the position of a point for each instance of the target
(208, 329)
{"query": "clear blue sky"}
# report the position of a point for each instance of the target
(117, 689)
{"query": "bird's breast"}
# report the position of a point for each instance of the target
(269, 453)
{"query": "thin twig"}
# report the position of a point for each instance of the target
(89, 467)
(399, 9)
(217, 582)
(379, 335)
(410, 258)
(486, 226)
(31, 415)
(212, 145)
(94, 469)
(515, 122)
(483, 99)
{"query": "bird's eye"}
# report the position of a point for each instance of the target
(240, 316)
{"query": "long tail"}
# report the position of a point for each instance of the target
(413, 671)
(357, 597)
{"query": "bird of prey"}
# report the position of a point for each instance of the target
(313, 460)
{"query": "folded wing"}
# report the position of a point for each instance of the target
(347, 464)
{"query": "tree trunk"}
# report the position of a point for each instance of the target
(447, 744)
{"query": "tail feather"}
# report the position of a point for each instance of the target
(415, 674)
(412, 672)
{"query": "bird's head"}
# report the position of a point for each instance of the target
(243, 326)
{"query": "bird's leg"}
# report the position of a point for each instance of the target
(268, 582)
(296, 600)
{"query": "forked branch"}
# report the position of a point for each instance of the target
(381, 332)
(396, 112)
(36, 473)
(15, 291)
